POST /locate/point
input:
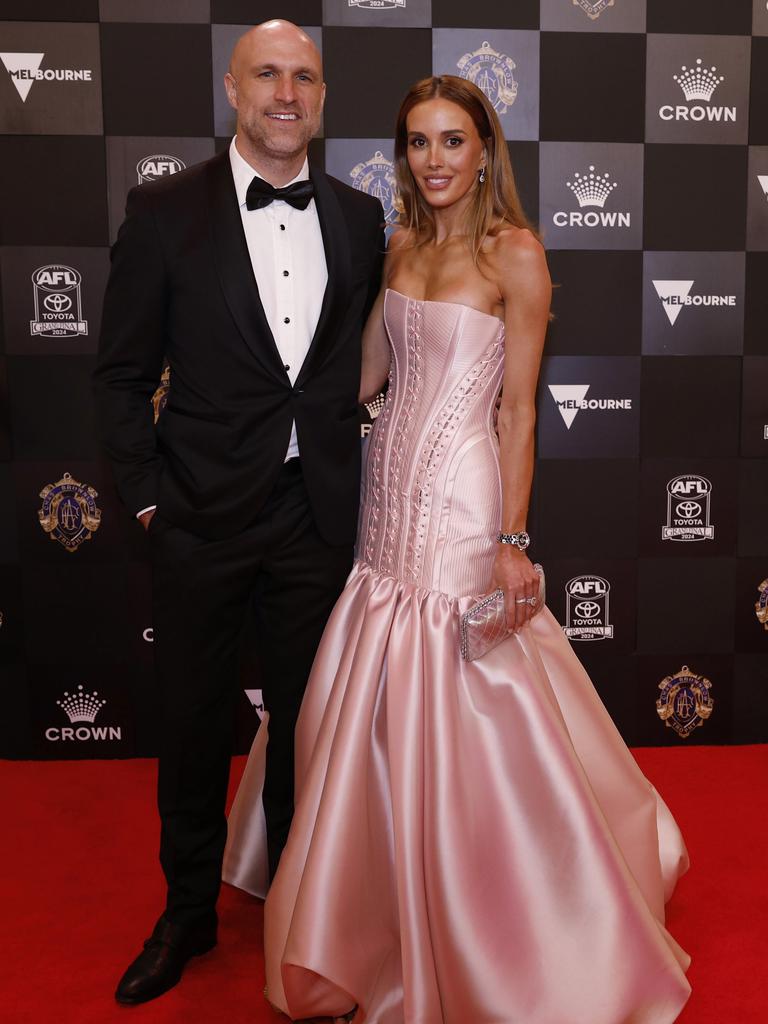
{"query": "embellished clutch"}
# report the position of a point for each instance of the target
(483, 626)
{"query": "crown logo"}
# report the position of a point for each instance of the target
(375, 406)
(698, 83)
(81, 706)
(592, 189)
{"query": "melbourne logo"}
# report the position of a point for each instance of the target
(591, 191)
(256, 699)
(82, 707)
(58, 303)
(675, 295)
(685, 702)
(593, 8)
(697, 83)
(69, 513)
(570, 399)
(586, 608)
(376, 176)
(688, 509)
(493, 72)
(150, 168)
(24, 69)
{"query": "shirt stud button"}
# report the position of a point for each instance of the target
(282, 227)
(286, 320)
(285, 273)
(286, 367)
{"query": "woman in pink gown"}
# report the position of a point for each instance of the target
(473, 843)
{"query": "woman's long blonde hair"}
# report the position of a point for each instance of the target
(495, 199)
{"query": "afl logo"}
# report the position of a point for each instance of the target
(58, 307)
(492, 72)
(587, 608)
(688, 509)
(158, 166)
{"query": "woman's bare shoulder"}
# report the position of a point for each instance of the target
(400, 238)
(516, 256)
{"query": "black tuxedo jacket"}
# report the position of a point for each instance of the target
(182, 288)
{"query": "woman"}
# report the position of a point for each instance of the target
(472, 841)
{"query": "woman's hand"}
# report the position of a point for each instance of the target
(514, 574)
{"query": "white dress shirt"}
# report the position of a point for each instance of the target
(288, 260)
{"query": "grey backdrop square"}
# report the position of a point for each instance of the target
(50, 106)
(760, 18)
(570, 212)
(167, 11)
(129, 158)
(593, 15)
(594, 431)
(378, 13)
(223, 39)
(699, 105)
(366, 164)
(695, 290)
(82, 300)
(504, 63)
(757, 199)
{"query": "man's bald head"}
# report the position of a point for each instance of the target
(271, 35)
(275, 83)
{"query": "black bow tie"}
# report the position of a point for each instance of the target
(261, 193)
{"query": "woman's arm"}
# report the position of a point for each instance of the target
(376, 349)
(519, 266)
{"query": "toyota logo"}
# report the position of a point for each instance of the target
(689, 509)
(57, 303)
(587, 609)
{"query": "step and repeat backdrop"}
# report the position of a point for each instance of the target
(638, 130)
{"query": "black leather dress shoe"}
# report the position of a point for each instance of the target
(161, 963)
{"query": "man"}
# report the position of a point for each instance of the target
(252, 275)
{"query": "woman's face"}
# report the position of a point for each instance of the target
(445, 152)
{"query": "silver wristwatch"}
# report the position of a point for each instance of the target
(519, 540)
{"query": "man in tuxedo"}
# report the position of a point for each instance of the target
(252, 275)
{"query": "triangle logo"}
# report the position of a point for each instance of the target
(16, 64)
(763, 179)
(256, 700)
(672, 295)
(568, 399)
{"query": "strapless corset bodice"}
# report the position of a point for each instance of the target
(431, 502)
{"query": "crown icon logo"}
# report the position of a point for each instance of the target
(81, 706)
(698, 83)
(375, 406)
(592, 189)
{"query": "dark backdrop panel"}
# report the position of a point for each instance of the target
(650, 502)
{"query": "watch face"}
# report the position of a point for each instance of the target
(523, 540)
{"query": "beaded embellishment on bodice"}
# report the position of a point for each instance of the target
(431, 493)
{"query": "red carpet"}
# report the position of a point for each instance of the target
(81, 889)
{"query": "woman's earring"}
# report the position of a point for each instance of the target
(482, 175)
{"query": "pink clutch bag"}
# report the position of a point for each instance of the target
(483, 626)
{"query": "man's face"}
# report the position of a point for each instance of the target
(276, 86)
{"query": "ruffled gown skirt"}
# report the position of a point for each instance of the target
(473, 842)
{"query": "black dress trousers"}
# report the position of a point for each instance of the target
(202, 592)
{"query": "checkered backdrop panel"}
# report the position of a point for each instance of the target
(639, 134)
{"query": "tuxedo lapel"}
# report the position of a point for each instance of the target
(233, 264)
(338, 262)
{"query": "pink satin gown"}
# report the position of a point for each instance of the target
(473, 842)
